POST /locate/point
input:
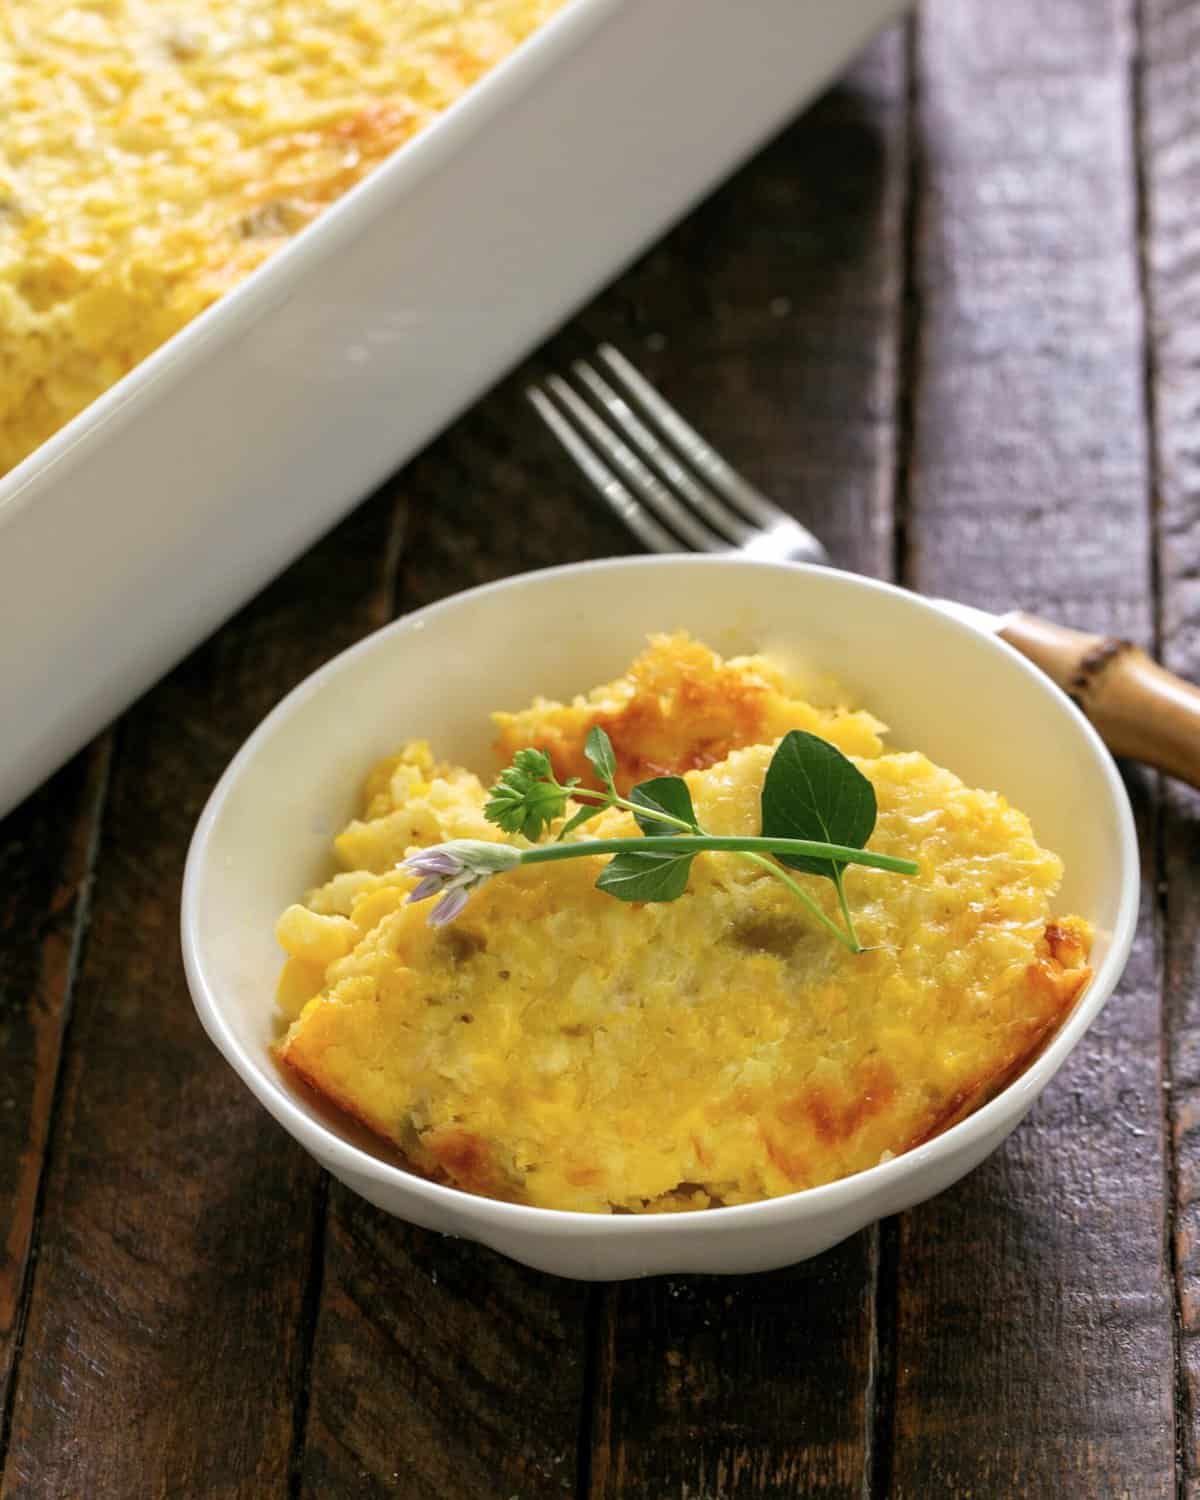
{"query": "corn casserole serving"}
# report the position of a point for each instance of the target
(558, 1048)
(152, 156)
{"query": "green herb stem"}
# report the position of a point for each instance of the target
(812, 798)
(731, 844)
(845, 905)
(606, 799)
(847, 939)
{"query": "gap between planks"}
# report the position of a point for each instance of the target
(95, 800)
(1138, 105)
(310, 1308)
(592, 1449)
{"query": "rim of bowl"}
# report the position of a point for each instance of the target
(324, 1142)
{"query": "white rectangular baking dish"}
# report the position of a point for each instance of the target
(148, 519)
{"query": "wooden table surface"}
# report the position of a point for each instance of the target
(951, 317)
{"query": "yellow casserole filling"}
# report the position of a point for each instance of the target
(557, 1047)
(151, 156)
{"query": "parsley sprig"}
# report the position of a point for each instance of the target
(818, 811)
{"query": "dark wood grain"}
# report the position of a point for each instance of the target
(441, 1369)
(1170, 129)
(165, 1344)
(739, 1386)
(493, 497)
(773, 319)
(1034, 1316)
(47, 848)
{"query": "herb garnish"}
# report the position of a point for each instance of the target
(818, 811)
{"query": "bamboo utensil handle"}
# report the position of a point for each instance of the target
(1139, 709)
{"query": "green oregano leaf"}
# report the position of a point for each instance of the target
(580, 816)
(598, 749)
(812, 791)
(646, 875)
(667, 794)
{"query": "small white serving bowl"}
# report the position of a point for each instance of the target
(965, 698)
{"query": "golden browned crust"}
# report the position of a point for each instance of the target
(679, 708)
(1058, 975)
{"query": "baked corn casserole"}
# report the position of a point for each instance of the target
(559, 1048)
(152, 156)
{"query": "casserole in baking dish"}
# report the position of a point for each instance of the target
(154, 157)
(169, 499)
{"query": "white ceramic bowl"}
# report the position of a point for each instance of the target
(965, 698)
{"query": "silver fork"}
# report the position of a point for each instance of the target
(676, 493)
(672, 489)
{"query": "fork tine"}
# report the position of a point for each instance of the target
(602, 479)
(636, 457)
(721, 517)
(644, 483)
(701, 455)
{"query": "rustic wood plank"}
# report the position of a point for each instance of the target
(165, 1344)
(1034, 1318)
(772, 318)
(740, 1386)
(440, 1368)
(493, 497)
(47, 848)
(1170, 145)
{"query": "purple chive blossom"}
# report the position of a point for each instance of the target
(449, 906)
(453, 870)
(435, 861)
(423, 889)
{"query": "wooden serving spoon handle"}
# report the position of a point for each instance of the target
(1138, 708)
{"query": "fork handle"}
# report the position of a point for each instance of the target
(1139, 709)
